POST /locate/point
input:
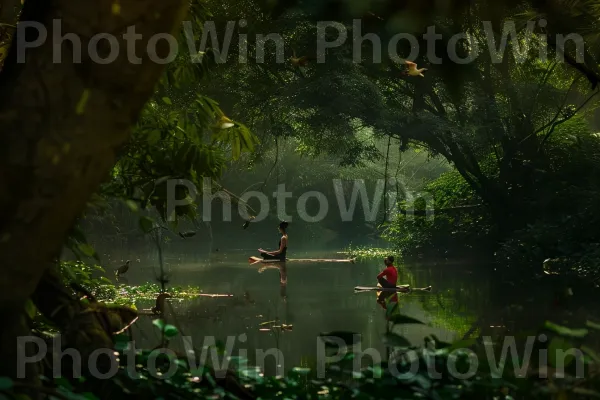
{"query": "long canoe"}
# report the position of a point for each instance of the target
(400, 288)
(256, 260)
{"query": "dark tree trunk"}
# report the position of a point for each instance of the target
(62, 124)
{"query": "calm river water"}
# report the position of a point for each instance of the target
(318, 297)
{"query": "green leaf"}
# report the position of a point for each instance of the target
(153, 137)
(6, 383)
(586, 392)
(170, 331)
(161, 180)
(133, 206)
(236, 147)
(391, 306)
(439, 344)
(63, 382)
(220, 346)
(159, 323)
(332, 338)
(592, 324)
(559, 344)
(80, 108)
(187, 234)
(210, 379)
(77, 234)
(30, 309)
(198, 371)
(167, 100)
(564, 331)
(393, 340)
(86, 249)
(591, 353)
(146, 224)
(400, 319)
(423, 381)
(67, 268)
(121, 341)
(301, 371)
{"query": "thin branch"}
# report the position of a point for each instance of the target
(442, 210)
(235, 196)
(555, 116)
(385, 176)
(545, 78)
(558, 112)
(592, 76)
(254, 184)
(274, 164)
(557, 123)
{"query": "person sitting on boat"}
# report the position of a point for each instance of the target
(279, 254)
(388, 278)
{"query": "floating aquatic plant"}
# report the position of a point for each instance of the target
(363, 252)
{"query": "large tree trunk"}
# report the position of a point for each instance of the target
(61, 126)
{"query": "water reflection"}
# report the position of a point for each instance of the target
(282, 268)
(313, 298)
(319, 297)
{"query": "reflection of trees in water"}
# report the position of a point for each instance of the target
(489, 303)
(448, 312)
(457, 300)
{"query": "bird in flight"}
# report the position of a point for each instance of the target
(247, 223)
(413, 70)
(187, 234)
(299, 61)
(224, 123)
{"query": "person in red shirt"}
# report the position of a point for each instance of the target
(388, 278)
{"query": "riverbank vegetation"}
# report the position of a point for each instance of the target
(514, 132)
(561, 229)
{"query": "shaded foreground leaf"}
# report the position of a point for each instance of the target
(146, 224)
(336, 338)
(558, 352)
(392, 339)
(400, 319)
(564, 331)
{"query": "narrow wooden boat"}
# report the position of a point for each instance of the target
(256, 260)
(397, 289)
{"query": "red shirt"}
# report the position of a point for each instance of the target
(390, 274)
